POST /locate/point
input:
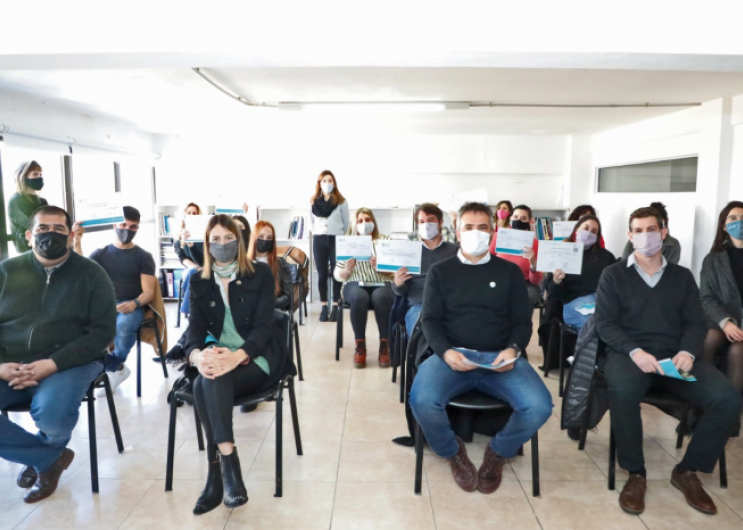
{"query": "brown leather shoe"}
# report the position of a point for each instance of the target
(384, 353)
(491, 472)
(692, 488)
(465, 474)
(46, 483)
(632, 498)
(359, 357)
(27, 477)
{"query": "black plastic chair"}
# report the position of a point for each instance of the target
(563, 330)
(149, 323)
(182, 390)
(339, 328)
(472, 401)
(662, 400)
(399, 335)
(180, 301)
(100, 382)
(293, 339)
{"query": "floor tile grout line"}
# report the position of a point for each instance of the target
(144, 494)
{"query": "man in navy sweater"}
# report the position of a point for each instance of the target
(648, 310)
(476, 310)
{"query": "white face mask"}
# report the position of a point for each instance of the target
(327, 187)
(365, 229)
(474, 242)
(428, 230)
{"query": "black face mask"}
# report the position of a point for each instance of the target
(50, 245)
(264, 245)
(125, 235)
(520, 225)
(34, 184)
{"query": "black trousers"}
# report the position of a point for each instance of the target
(361, 299)
(323, 249)
(215, 399)
(712, 392)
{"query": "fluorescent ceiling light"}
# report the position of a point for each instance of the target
(372, 107)
(457, 105)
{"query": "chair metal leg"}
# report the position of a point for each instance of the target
(535, 465)
(180, 301)
(723, 470)
(160, 351)
(114, 416)
(295, 327)
(171, 442)
(612, 459)
(295, 416)
(279, 443)
(139, 363)
(339, 334)
(395, 356)
(682, 427)
(582, 441)
(305, 307)
(93, 440)
(561, 362)
(418, 458)
(199, 434)
(403, 381)
(520, 452)
(550, 347)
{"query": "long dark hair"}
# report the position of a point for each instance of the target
(722, 238)
(335, 195)
(577, 226)
(580, 211)
(273, 260)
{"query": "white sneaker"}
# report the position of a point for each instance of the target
(118, 377)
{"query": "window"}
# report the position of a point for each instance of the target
(675, 175)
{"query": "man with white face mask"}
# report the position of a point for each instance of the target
(647, 310)
(476, 309)
(430, 219)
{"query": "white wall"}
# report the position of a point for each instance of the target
(736, 166)
(279, 168)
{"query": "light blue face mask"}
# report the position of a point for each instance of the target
(735, 229)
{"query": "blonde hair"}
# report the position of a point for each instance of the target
(243, 263)
(352, 226)
(20, 176)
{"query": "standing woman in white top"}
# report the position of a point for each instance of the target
(329, 214)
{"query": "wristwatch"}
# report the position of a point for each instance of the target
(516, 349)
(136, 301)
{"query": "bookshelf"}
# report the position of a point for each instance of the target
(167, 228)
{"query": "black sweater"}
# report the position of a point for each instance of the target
(481, 307)
(662, 320)
(595, 260)
(68, 316)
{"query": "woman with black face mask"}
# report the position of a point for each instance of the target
(25, 201)
(244, 226)
(263, 249)
(233, 344)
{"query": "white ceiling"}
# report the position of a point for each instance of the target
(175, 100)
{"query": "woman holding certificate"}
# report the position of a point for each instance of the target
(329, 215)
(577, 292)
(367, 288)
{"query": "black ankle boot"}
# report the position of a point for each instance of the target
(211, 497)
(324, 314)
(334, 314)
(235, 492)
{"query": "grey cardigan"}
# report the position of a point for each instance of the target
(719, 292)
(671, 249)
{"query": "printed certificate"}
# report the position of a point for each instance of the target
(393, 255)
(98, 213)
(196, 226)
(562, 229)
(353, 247)
(554, 255)
(510, 241)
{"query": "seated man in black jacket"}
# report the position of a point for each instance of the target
(57, 315)
(649, 310)
(476, 310)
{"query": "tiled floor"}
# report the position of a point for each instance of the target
(351, 474)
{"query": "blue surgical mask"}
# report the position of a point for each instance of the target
(735, 229)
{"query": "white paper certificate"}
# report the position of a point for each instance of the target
(393, 255)
(98, 212)
(562, 229)
(554, 255)
(510, 241)
(196, 226)
(356, 247)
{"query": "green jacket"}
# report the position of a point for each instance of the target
(68, 315)
(20, 208)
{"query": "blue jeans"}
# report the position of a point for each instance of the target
(186, 296)
(411, 317)
(436, 384)
(570, 314)
(55, 408)
(126, 336)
